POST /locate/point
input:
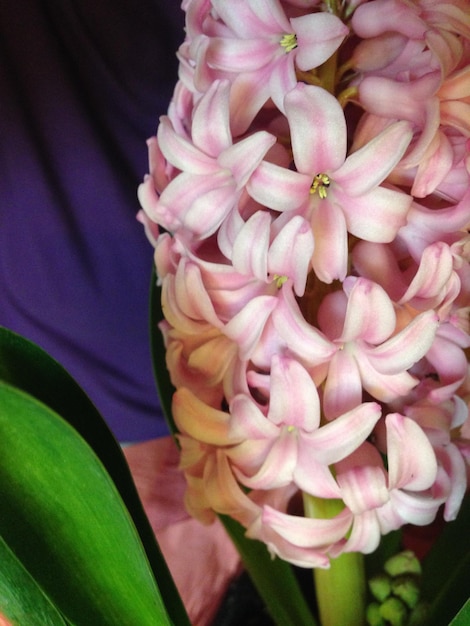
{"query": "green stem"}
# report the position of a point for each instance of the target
(341, 589)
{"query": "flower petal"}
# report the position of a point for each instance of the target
(318, 129)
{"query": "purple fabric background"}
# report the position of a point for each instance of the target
(82, 84)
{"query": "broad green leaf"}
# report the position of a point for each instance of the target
(21, 600)
(26, 366)
(63, 518)
(274, 579)
(463, 616)
(446, 570)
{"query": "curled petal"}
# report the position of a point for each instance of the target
(363, 488)
(200, 421)
(408, 346)
(250, 248)
(370, 165)
(245, 156)
(181, 153)
(245, 327)
(370, 314)
(339, 438)
(301, 338)
(300, 409)
(278, 466)
(307, 532)
(210, 128)
(290, 252)
(412, 463)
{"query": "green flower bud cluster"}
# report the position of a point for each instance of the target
(396, 593)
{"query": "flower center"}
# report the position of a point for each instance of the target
(320, 185)
(289, 42)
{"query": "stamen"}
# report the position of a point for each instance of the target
(289, 42)
(280, 280)
(320, 184)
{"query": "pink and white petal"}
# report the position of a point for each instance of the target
(300, 409)
(406, 347)
(245, 156)
(278, 466)
(301, 338)
(330, 256)
(376, 215)
(181, 153)
(383, 387)
(210, 128)
(250, 248)
(191, 296)
(240, 55)
(365, 534)
(341, 437)
(370, 314)
(248, 422)
(208, 210)
(412, 464)
(318, 129)
(200, 421)
(278, 188)
(291, 250)
(248, 456)
(370, 165)
(282, 79)
(246, 327)
(363, 488)
(253, 18)
(413, 508)
(343, 388)
(434, 272)
(312, 477)
(318, 37)
(278, 546)
(306, 532)
(249, 93)
(451, 459)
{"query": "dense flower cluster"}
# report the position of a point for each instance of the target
(309, 201)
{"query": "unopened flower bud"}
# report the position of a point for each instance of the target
(394, 612)
(403, 563)
(373, 616)
(407, 589)
(380, 587)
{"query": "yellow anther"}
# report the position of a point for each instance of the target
(290, 429)
(320, 185)
(289, 42)
(280, 280)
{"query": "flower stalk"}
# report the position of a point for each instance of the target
(340, 589)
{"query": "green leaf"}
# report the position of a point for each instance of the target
(446, 570)
(64, 520)
(274, 579)
(26, 366)
(463, 616)
(21, 600)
